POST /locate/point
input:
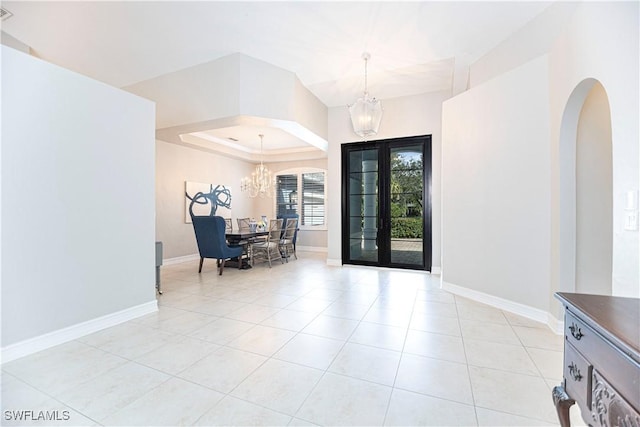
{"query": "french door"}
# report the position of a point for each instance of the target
(386, 203)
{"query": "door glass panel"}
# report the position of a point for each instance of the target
(407, 182)
(363, 205)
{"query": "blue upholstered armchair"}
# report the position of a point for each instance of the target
(210, 235)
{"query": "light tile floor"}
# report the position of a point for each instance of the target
(298, 344)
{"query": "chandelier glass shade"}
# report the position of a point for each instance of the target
(261, 181)
(366, 112)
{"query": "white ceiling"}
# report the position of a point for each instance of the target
(249, 137)
(245, 140)
(414, 46)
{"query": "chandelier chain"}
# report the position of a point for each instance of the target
(261, 152)
(366, 61)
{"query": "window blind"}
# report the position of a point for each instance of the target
(313, 211)
(286, 194)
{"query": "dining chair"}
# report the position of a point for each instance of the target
(228, 225)
(212, 243)
(286, 242)
(243, 224)
(244, 227)
(269, 248)
(286, 217)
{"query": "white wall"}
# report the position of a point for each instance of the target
(495, 187)
(77, 199)
(175, 165)
(185, 96)
(188, 100)
(404, 116)
(9, 40)
(527, 43)
(601, 43)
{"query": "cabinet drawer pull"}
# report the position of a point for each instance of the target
(574, 372)
(575, 331)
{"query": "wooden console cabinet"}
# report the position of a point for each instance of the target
(601, 360)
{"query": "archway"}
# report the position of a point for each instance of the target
(594, 195)
(586, 192)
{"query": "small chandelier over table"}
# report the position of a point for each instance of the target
(366, 112)
(261, 181)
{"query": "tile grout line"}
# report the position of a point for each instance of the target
(330, 363)
(267, 359)
(16, 378)
(464, 349)
(194, 294)
(404, 343)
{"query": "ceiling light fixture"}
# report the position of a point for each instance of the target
(5, 14)
(261, 181)
(366, 112)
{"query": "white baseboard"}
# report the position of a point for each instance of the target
(181, 259)
(506, 305)
(333, 262)
(42, 342)
(556, 325)
(311, 248)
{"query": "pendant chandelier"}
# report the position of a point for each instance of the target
(366, 112)
(260, 183)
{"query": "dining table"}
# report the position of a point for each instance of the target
(234, 238)
(242, 238)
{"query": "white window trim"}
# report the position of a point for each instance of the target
(299, 172)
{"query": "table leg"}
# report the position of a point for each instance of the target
(563, 403)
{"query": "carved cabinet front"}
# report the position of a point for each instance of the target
(601, 360)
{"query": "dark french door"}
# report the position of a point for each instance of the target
(386, 203)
